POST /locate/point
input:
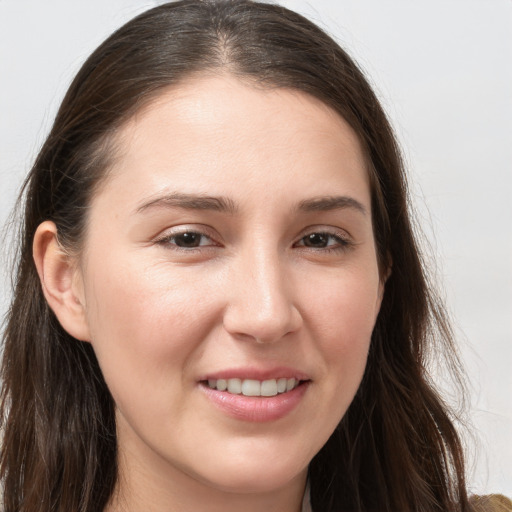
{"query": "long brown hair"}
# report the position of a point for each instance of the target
(396, 449)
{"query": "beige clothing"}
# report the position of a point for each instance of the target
(306, 503)
(490, 503)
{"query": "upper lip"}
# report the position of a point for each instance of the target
(276, 372)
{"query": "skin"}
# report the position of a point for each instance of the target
(255, 292)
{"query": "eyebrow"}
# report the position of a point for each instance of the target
(328, 203)
(191, 202)
(227, 205)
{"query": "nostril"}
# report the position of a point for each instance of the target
(262, 326)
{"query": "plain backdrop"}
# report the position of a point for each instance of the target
(443, 71)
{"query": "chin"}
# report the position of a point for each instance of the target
(253, 477)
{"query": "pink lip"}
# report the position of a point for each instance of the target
(251, 408)
(276, 372)
(254, 408)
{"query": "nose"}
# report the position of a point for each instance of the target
(261, 304)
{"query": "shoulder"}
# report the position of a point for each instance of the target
(491, 503)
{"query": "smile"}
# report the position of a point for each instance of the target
(252, 387)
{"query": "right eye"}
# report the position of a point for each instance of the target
(186, 240)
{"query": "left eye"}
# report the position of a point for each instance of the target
(187, 240)
(321, 241)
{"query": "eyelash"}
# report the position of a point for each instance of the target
(342, 242)
(169, 241)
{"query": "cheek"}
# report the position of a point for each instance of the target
(344, 308)
(143, 328)
(342, 317)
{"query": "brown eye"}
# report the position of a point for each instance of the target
(323, 241)
(187, 239)
(316, 240)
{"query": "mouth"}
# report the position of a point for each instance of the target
(253, 387)
(253, 400)
(256, 394)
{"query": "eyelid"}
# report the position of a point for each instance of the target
(341, 234)
(165, 236)
(327, 230)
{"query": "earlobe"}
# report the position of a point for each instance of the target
(382, 288)
(383, 282)
(60, 281)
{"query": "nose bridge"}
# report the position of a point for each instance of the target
(261, 301)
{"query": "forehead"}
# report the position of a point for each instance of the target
(220, 133)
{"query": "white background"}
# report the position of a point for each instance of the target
(443, 70)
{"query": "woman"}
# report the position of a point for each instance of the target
(220, 303)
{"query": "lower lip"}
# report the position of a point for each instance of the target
(254, 408)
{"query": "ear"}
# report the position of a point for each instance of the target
(382, 286)
(61, 281)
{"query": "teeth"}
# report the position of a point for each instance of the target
(251, 387)
(269, 387)
(235, 386)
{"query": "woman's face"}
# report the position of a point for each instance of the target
(231, 245)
